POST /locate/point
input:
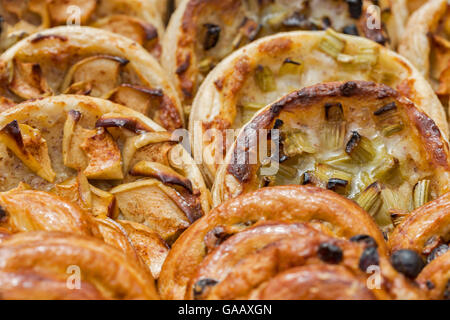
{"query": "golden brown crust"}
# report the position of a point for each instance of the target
(52, 261)
(425, 228)
(289, 204)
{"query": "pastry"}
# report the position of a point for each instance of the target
(110, 160)
(56, 265)
(267, 69)
(282, 243)
(359, 139)
(88, 61)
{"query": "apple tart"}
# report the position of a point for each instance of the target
(426, 43)
(88, 61)
(110, 160)
(57, 265)
(360, 139)
(139, 20)
(289, 242)
(269, 68)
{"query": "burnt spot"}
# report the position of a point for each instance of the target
(330, 253)
(334, 184)
(215, 238)
(3, 215)
(349, 88)
(278, 124)
(212, 36)
(353, 142)
(437, 252)
(152, 92)
(166, 178)
(354, 8)
(367, 240)
(307, 178)
(184, 66)
(386, 108)
(75, 115)
(127, 123)
(202, 286)
(368, 258)
(40, 37)
(12, 129)
(151, 33)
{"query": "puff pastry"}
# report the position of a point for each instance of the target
(281, 243)
(201, 33)
(140, 20)
(267, 69)
(88, 61)
(39, 265)
(359, 139)
(108, 159)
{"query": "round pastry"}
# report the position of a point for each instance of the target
(88, 61)
(201, 33)
(139, 20)
(426, 44)
(286, 242)
(25, 210)
(359, 139)
(102, 156)
(56, 265)
(267, 69)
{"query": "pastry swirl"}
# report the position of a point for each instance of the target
(37, 265)
(251, 245)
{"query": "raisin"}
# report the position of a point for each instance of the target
(364, 238)
(437, 252)
(408, 262)
(330, 253)
(368, 258)
(201, 285)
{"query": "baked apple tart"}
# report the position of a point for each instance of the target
(426, 43)
(289, 242)
(57, 265)
(267, 69)
(201, 33)
(360, 139)
(139, 20)
(110, 160)
(88, 61)
(426, 231)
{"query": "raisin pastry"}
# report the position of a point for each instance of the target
(139, 20)
(57, 265)
(288, 242)
(110, 160)
(88, 61)
(422, 241)
(359, 139)
(267, 69)
(201, 33)
(25, 210)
